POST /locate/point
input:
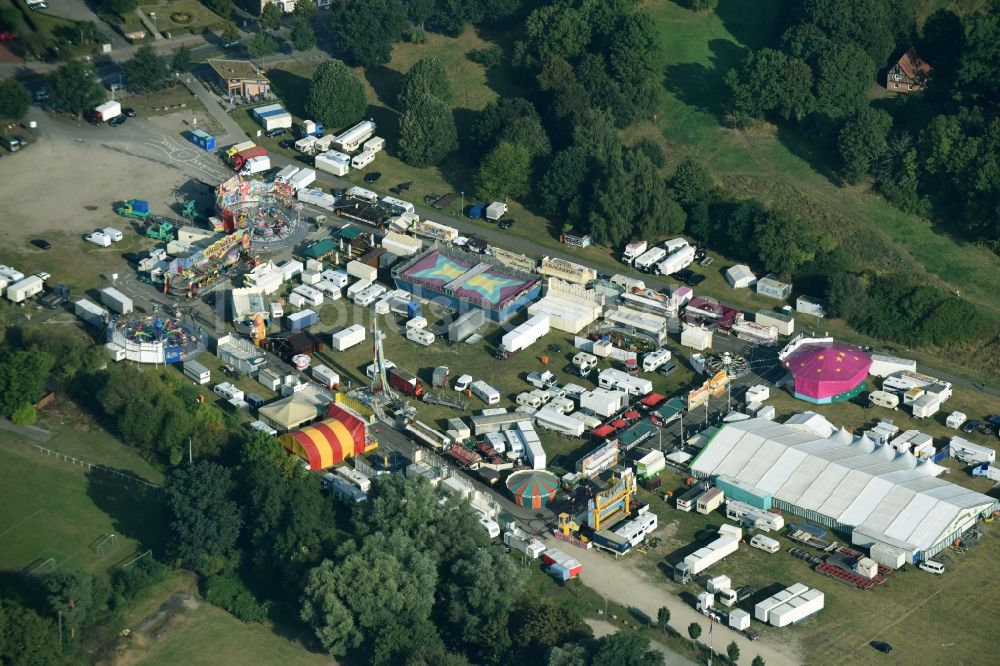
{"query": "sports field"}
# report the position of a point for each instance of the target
(55, 513)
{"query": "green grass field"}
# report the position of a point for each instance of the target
(926, 618)
(213, 637)
(56, 510)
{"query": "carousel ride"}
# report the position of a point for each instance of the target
(268, 212)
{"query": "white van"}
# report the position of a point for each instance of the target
(112, 233)
(932, 567)
(98, 238)
(765, 543)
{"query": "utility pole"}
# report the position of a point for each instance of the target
(190, 458)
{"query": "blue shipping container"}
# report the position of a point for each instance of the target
(742, 492)
(203, 140)
(412, 309)
(300, 320)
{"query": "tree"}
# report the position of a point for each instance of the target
(74, 88)
(22, 379)
(261, 447)
(14, 100)
(701, 5)
(544, 624)
(223, 8)
(427, 76)
(512, 119)
(270, 17)
(305, 10)
(31, 640)
(694, 630)
(336, 97)
(261, 45)
(10, 19)
(862, 141)
(596, 133)
(418, 11)
(231, 33)
(769, 80)
(561, 189)
(120, 7)
(146, 69)
(663, 618)
(182, 61)
(77, 596)
(843, 76)
(303, 36)
(204, 520)
(867, 23)
(783, 244)
(568, 655)
(758, 661)
(323, 610)
(692, 183)
(504, 173)
(427, 132)
(635, 52)
(365, 31)
(847, 296)
(626, 648)
(483, 589)
(980, 53)
(733, 652)
(557, 30)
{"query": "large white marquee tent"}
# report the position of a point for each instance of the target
(875, 494)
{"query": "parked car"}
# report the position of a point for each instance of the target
(42, 244)
(431, 198)
(881, 646)
(276, 132)
(287, 143)
(129, 111)
(506, 224)
(372, 177)
(463, 383)
(667, 369)
(117, 121)
(971, 426)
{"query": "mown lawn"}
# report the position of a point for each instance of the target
(56, 510)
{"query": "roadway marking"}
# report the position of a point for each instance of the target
(179, 152)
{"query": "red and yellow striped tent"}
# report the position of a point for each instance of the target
(329, 442)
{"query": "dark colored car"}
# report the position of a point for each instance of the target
(405, 186)
(431, 198)
(373, 176)
(41, 244)
(505, 224)
(287, 143)
(129, 111)
(117, 121)
(667, 369)
(881, 646)
(971, 426)
(277, 131)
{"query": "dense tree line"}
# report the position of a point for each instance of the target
(818, 74)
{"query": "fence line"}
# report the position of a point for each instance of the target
(92, 466)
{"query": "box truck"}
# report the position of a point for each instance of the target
(727, 543)
(105, 112)
(255, 165)
(405, 381)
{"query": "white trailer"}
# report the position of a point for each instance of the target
(534, 453)
(116, 300)
(420, 336)
(348, 337)
(724, 545)
(397, 206)
(634, 250)
(333, 162)
(285, 175)
(746, 514)
(362, 159)
(325, 376)
(612, 378)
(485, 392)
(884, 365)
(655, 359)
(650, 258)
(89, 312)
(316, 197)
(676, 261)
(374, 144)
(496, 210)
(526, 334)
(302, 178)
(351, 139)
(551, 418)
(24, 289)
(355, 478)
(969, 453)
(363, 194)
(789, 606)
(523, 543)
(197, 372)
(362, 271)
(604, 402)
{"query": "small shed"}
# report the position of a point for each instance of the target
(696, 338)
(740, 276)
(771, 286)
(439, 378)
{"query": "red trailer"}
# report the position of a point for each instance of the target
(405, 381)
(239, 159)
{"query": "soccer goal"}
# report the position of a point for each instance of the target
(104, 544)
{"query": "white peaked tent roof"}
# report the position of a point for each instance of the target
(892, 497)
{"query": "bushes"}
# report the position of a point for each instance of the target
(228, 591)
